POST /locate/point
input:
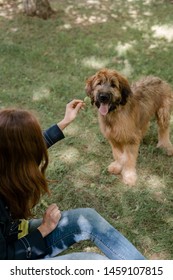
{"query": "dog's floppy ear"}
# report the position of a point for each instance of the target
(89, 88)
(125, 89)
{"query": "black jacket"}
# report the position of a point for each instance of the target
(31, 246)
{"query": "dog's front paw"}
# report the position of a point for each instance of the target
(115, 168)
(129, 178)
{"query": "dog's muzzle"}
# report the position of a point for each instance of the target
(104, 98)
(103, 102)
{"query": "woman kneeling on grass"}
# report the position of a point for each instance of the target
(23, 162)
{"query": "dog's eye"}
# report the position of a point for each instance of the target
(99, 84)
(113, 84)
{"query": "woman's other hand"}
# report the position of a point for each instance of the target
(51, 218)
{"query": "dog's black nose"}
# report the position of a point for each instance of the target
(103, 97)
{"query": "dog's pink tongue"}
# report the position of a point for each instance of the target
(103, 109)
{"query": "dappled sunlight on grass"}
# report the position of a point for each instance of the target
(155, 182)
(101, 11)
(133, 12)
(127, 70)
(156, 186)
(65, 26)
(72, 130)
(70, 155)
(91, 19)
(146, 2)
(169, 219)
(164, 255)
(159, 196)
(163, 31)
(42, 93)
(97, 19)
(123, 48)
(90, 169)
(84, 174)
(148, 245)
(80, 181)
(93, 1)
(154, 46)
(98, 15)
(8, 8)
(95, 63)
(147, 242)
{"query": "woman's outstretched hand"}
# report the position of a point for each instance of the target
(72, 109)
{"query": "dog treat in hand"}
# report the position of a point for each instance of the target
(87, 100)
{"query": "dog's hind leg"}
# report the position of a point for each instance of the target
(163, 121)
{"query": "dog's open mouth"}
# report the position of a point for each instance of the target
(107, 107)
(103, 102)
(103, 109)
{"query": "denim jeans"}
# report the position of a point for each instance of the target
(86, 224)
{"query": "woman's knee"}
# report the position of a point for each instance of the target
(80, 216)
(89, 213)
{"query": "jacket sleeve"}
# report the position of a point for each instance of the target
(32, 246)
(52, 135)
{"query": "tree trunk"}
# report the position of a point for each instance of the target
(40, 8)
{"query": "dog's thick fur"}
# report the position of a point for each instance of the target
(124, 113)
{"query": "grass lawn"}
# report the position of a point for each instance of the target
(44, 65)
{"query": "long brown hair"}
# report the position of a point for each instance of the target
(23, 161)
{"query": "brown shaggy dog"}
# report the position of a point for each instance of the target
(124, 113)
